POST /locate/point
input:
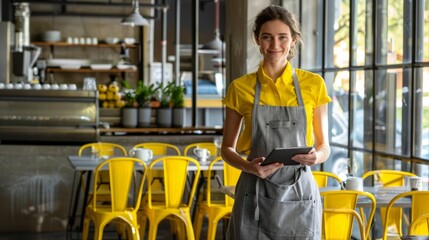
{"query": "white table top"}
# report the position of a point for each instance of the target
(86, 163)
(382, 195)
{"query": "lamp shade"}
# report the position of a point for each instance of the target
(135, 19)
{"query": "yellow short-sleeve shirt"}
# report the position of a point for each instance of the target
(241, 92)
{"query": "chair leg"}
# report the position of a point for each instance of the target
(198, 224)
(85, 230)
(189, 229)
(211, 232)
(142, 229)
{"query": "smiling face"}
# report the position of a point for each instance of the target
(275, 41)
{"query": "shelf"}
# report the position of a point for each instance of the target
(65, 44)
(89, 70)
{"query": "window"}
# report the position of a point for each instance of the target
(374, 57)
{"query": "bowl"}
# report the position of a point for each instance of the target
(51, 36)
(111, 40)
(129, 41)
(100, 66)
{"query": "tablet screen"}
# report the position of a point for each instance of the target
(284, 155)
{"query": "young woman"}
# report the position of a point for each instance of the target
(281, 107)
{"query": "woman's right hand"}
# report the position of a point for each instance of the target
(254, 167)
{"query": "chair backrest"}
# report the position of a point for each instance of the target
(419, 207)
(419, 226)
(103, 149)
(159, 148)
(175, 173)
(209, 145)
(230, 178)
(336, 218)
(388, 178)
(322, 178)
(347, 199)
(121, 176)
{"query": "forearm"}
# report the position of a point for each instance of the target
(323, 152)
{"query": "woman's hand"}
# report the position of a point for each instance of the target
(254, 167)
(308, 159)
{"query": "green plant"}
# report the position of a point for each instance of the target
(129, 97)
(144, 94)
(178, 96)
(164, 94)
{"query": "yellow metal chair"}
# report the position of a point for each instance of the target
(121, 173)
(178, 200)
(346, 199)
(419, 207)
(159, 149)
(420, 226)
(322, 178)
(103, 149)
(208, 145)
(212, 209)
(338, 218)
(390, 178)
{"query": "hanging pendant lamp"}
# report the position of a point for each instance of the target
(135, 19)
(216, 43)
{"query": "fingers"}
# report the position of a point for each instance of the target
(263, 171)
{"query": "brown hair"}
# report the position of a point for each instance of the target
(275, 12)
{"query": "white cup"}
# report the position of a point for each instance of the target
(142, 153)
(354, 183)
(202, 154)
(416, 183)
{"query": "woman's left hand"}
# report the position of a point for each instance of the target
(308, 159)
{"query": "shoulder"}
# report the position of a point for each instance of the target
(244, 83)
(308, 76)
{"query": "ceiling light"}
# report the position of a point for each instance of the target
(135, 19)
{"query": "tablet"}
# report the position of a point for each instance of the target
(284, 155)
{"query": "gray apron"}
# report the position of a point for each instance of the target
(286, 204)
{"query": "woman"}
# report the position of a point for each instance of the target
(281, 107)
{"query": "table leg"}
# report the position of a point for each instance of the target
(73, 205)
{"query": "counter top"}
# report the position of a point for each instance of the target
(155, 130)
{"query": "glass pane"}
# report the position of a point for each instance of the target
(337, 162)
(337, 33)
(393, 22)
(421, 116)
(392, 113)
(312, 34)
(339, 108)
(422, 40)
(362, 109)
(362, 54)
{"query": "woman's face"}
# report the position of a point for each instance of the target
(275, 40)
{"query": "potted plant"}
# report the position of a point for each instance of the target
(164, 112)
(129, 111)
(178, 104)
(144, 95)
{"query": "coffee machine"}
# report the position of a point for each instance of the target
(24, 54)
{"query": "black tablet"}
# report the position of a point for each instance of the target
(284, 155)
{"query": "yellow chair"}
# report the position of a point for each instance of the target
(420, 226)
(188, 151)
(419, 207)
(322, 178)
(390, 178)
(337, 218)
(103, 149)
(175, 170)
(212, 209)
(121, 173)
(347, 199)
(159, 149)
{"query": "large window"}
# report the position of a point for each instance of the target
(374, 57)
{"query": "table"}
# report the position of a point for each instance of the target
(382, 195)
(85, 165)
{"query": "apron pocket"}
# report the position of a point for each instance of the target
(279, 218)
